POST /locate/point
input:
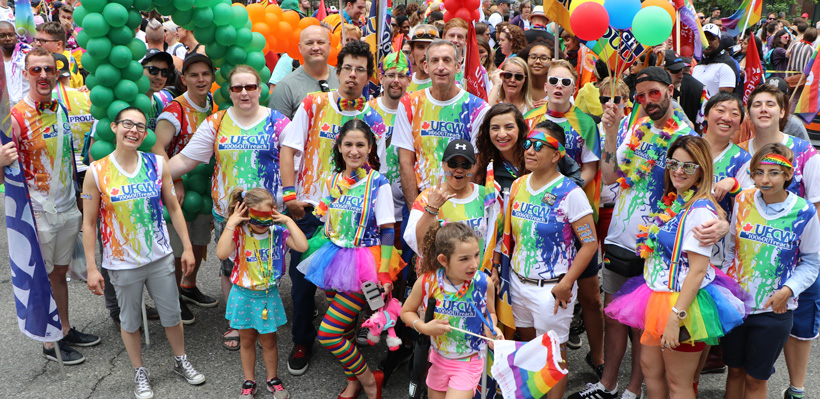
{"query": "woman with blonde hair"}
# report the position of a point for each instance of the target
(511, 84)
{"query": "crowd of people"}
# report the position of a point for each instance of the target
(695, 217)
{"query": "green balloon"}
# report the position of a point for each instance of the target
(265, 95)
(82, 38)
(257, 42)
(79, 15)
(264, 74)
(248, 24)
(207, 205)
(240, 16)
(226, 35)
(224, 93)
(166, 9)
(143, 102)
(94, 25)
(94, 5)
(143, 84)
(214, 50)
(148, 143)
(244, 37)
(223, 15)
(143, 5)
(134, 19)
(182, 18)
(203, 17)
(189, 217)
(120, 56)
(98, 111)
(99, 47)
(104, 131)
(107, 73)
(218, 98)
(115, 14)
(225, 72)
(205, 35)
(197, 183)
(115, 108)
(183, 5)
(203, 3)
(132, 72)
(125, 3)
(91, 82)
(220, 80)
(120, 35)
(652, 26)
(163, 3)
(90, 63)
(126, 90)
(137, 48)
(101, 95)
(101, 149)
(237, 54)
(255, 60)
(218, 62)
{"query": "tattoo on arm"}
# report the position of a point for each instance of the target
(585, 233)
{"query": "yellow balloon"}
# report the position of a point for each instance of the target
(576, 3)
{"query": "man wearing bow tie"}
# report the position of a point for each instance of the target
(42, 142)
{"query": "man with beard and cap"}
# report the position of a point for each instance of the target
(717, 70)
(14, 54)
(306, 164)
(640, 172)
(687, 88)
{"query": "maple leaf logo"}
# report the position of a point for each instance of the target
(115, 191)
(325, 127)
(425, 125)
(248, 253)
(516, 205)
(748, 227)
(223, 139)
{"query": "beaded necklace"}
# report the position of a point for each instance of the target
(630, 172)
(668, 207)
(461, 291)
(266, 272)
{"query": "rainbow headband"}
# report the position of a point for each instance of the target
(775, 159)
(396, 60)
(551, 141)
(260, 218)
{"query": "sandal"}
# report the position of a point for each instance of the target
(226, 339)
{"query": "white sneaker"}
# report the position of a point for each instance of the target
(143, 389)
(629, 395)
(186, 370)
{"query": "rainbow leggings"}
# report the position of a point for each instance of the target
(337, 328)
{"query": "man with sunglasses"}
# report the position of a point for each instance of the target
(157, 66)
(42, 141)
(687, 89)
(420, 38)
(429, 119)
(651, 137)
(14, 54)
(306, 165)
(175, 127)
(52, 37)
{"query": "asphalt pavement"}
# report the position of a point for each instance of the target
(107, 372)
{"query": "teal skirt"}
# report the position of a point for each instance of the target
(245, 307)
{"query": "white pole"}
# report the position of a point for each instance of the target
(59, 355)
(746, 23)
(145, 323)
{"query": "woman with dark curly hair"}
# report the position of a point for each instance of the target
(511, 39)
(499, 142)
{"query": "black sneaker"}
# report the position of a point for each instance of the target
(77, 338)
(361, 336)
(187, 315)
(574, 341)
(594, 391)
(151, 313)
(299, 360)
(195, 296)
(599, 370)
(70, 355)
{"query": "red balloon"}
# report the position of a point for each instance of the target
(472, 4)
(589, 21)
(452, 5)
(464, 14)
(448, 15)
(270, 59)
(476, 15)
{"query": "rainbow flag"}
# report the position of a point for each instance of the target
(608, 46)
(689, 20)
(24, 20)
(528, 370)
(807, 104)
(749, 10)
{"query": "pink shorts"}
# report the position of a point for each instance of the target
(460, 375)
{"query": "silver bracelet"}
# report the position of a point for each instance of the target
(414, 325)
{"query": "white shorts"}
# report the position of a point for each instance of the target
(57, 234)
(533, 306)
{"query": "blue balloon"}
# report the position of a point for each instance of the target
(622, 12)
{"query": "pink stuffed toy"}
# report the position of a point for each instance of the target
(384, 319)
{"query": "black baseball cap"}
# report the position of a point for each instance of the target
(459, 148)
(779, 83)
(654, 74)
(62, 65)
(673, 62)
(195, 58)
(153, 53)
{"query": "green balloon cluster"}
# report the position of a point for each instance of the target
(197, 185)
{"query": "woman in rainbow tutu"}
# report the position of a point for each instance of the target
(682, 303)
(355, 246)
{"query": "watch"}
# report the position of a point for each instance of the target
(680, 313)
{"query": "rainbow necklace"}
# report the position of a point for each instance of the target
(461, 291)
(266, 272)
(669, 207)
(630, 172)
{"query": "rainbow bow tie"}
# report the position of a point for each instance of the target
(344, 103)
(51, 105)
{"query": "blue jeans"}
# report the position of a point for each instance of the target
(302, 291)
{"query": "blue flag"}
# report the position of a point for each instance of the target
(377, 34)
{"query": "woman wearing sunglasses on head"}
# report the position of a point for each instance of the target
(682, 303)
(244, 140)
(511, 84)
(545, 214)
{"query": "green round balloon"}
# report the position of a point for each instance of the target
(143, 84)
(82, 38)
(220, 80)
(237, 54)
(182, 17)
(99, 47)
(223, 15)
(107, 73)
(218, 62)
(226, 35)
(94, 25)
(201, 169)
(101, 95)
(205, 35)
(143, 102)
(203, 17)
(255, 60)
(126, 90)
(120, 56)
(244, 37)
(98, 111)
(652, 26)
(265, 95)
(224, 93)
(137, 48)
(104, 131)
(94, 5)
(91, 82)
(134, 19)
(218, 98)
(79, 14)
(207, 205)
(90, 63)
(101, 149)
(240, 16)
(163, 3)
(115, 14)
(166, 10)
(125, 3)
(264, 74)
(203, 3)
(143, 5)
(183, 5)
(148, 143)
(214, 50)
(132, 72)
(197, 183)
(115, 108)
(257, 42)
(189, 217)
(248, 24)
(120, 35)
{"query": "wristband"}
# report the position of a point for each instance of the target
(288, 193)
(414, 325)
(228, 228)
(735, 188)
(430, 210)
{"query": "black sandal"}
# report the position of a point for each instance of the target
(226, 339)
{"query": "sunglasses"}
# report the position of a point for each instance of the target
(537, 145)
(770, 19)
(456, 164)
(605, 99)
(324, 86)
(566, 82)
(425, 35)
(654, 95)
(37, 70)
(153, 71)
(507, 75)
(239, 88)
(689, 168)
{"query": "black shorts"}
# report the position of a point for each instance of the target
(756, 344)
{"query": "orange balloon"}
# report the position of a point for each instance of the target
(272, 20)
(273, 9)
(262, 28)
(334, 54)
(256, 12)
(291, 17)
(295, 37)
(305, 22)
(662, 4)
(334, 41)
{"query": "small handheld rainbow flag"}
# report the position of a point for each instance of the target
(747, 15)
(24, 20)
(528, 370)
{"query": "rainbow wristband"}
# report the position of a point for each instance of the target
(288, 193)
(736, 188)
